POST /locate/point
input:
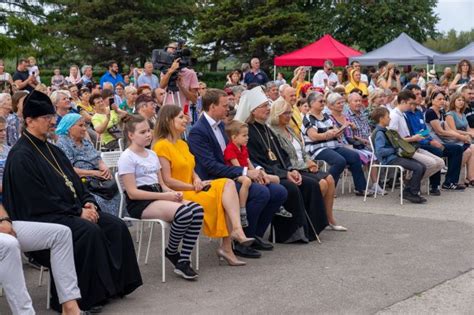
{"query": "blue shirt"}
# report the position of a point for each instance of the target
(150, 80)
(107, 77)
(260, 78)
(384, 151)
(416, 123)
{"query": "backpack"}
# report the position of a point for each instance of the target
(404, 148)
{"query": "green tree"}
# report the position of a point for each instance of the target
(125, 30)
(369, 24)
(450, 41)
(249, 28)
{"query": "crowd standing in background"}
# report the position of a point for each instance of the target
(231, 161)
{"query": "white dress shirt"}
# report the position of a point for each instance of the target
(217, 131)
(398, 123)
(320, 76)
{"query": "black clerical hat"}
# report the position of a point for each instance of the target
(37, 104)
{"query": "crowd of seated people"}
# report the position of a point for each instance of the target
(229, 162)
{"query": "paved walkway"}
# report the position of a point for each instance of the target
(410, 259)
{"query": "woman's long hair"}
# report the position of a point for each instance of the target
(163, 126)
(459, 66)
(452, 102)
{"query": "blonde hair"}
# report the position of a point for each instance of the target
(374, 94)
(129, 90)
(55, 96)
(42, 88)
(32, 59)
(234, 127)
(278, 108)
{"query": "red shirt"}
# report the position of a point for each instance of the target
(233, 152)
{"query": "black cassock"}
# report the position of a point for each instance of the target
(104, 253)
(306, 197)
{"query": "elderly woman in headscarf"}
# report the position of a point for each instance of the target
(280, 115)
(356, 83)
(304, 196)
(84, 157)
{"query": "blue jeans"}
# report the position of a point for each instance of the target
(262, 203)
(454, 154)
(341, 157)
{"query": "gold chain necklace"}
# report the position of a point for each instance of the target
(58, 169)
(270, 153)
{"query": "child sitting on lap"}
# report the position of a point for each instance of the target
(236, 154)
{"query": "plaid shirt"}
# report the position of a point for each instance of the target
(362, 123)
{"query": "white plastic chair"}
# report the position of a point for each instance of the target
(387, 168)
(164, 226)
(111, 159)
(121, 144)
(40, 283)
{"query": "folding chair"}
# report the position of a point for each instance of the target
(121, 144)
(164, 226)
(40, 283)
(386, 167)
(111, 159)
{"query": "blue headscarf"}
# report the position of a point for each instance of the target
(66, 123)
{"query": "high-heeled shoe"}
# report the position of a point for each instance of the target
(244, 241)
(222, 255)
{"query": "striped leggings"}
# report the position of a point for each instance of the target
(186, 227)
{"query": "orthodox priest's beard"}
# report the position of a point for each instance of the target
(50, 135)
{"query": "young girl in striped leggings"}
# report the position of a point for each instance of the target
(149, 198)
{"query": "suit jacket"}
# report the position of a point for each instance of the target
(207, 152)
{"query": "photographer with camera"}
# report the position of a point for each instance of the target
(179, 81)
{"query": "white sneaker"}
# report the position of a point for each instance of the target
(376, 188)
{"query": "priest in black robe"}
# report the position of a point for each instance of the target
(40, 185)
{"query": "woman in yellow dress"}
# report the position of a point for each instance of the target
(218, 197)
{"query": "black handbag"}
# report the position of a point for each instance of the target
(106, 189)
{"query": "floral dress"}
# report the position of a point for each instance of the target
(86, 157)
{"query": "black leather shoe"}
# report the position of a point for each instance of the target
(247, 252)
(261, 244)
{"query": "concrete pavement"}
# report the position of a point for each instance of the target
(414, 259)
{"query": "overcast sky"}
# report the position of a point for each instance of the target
(457, 14)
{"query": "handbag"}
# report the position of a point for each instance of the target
(105, 188)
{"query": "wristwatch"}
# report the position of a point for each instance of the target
(5, 219)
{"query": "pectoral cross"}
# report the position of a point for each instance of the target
(70, 185)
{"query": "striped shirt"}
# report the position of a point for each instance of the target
(315, 147)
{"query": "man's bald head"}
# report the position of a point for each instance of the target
(289, 94)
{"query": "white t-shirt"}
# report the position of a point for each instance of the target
(145, 169)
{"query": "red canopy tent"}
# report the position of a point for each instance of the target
(316, 53)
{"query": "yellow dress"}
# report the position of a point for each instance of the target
(182, 167)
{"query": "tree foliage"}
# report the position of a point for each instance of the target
(250, 28)
(450, 41)
(95, 31)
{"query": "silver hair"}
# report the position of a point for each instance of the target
(3, 97)
(55, 96)
(312, 97)
(238, 89)
(270, 84)
(352, 95)
(333, 98)
(282, 87)
(85, 67)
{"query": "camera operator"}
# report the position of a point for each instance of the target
(187, 81)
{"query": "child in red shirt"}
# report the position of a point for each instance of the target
(236, 154)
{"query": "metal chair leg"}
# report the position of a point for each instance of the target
(197, 253)
(149, 243)
(163, 261)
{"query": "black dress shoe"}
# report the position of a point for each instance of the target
(261, 244)
(247, 252)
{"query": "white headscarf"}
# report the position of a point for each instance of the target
(249, 100)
